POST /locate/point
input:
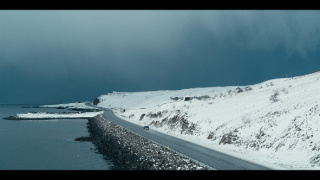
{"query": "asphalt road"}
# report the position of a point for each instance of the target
(209, 157)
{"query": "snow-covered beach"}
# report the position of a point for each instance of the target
(44, 115)
(83, 112)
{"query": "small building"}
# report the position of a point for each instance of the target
(248, 88)
(204, 97)
(188, 98)
(174, 98)
(239, 90)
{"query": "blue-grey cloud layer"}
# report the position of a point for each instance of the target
(66, 56)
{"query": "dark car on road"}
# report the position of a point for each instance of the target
(146, 127)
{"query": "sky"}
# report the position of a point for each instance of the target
(61, 56)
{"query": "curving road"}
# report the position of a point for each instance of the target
(212, 158)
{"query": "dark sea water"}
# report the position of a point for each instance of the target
(45, 144)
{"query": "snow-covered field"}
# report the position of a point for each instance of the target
(275, 123)
(44, 115)
(71, 114)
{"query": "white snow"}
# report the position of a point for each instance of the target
(280, 134)
(58, 115)
(70, 105)
(82, 105)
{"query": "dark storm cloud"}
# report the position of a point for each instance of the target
(67, 56)
(296, 31)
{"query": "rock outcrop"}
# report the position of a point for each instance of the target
(96, 101)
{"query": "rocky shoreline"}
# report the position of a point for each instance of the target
(130, 151)
(126, 149)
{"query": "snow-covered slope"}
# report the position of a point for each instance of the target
(257, 124)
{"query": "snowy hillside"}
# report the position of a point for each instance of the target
(275, 123)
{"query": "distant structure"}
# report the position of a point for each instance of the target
(96, 101)
(174, 98)
(188, 98)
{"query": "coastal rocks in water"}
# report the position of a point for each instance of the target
(83, 139)
(85, 110)
(30, 107)
(61, 107)
(11, 118)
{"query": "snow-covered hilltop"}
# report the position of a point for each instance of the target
(275, 122)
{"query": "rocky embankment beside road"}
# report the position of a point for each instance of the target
(130, 151)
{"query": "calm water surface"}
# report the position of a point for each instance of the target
(45, 144)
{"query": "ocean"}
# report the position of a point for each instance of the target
(46, 144)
